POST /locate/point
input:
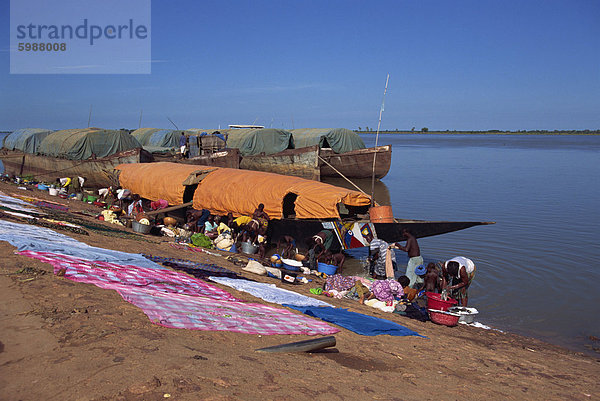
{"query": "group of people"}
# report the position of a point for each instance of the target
(454, 275)
(251, 229)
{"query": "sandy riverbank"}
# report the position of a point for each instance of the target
(73, 341)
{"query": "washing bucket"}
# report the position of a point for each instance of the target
(53, 191)
(381, 214)
(435, 301)
(247, 247)
(141, 228)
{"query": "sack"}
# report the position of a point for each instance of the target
(254, 267)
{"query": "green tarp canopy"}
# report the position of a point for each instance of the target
(255, 141)
(26, 140)
(340, 140)
(156, 138)
(81, 144)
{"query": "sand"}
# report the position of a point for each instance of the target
(61, 340)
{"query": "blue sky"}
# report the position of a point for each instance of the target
(454, 65)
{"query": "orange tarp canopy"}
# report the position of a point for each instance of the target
(238, 191)
(157, 180)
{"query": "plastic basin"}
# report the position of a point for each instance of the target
(435, 301)
(327, 269)
(291, 264)
(140, 228)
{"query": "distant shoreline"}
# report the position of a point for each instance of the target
(584, 132)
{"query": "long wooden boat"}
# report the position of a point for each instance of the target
(314, 163)
(97, 172)
(229, 158)
(356, 163)
(303, 163)
(297, 207)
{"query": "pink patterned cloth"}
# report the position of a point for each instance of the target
(385, 290)
(173, 299)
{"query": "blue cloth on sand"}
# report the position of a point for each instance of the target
(32, 238)
(356, 322)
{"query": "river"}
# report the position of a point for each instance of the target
(537, 267)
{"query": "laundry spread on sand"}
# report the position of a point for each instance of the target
(15, 204)
(269, 292)
(196, 269)
(173, 299)
(356, 322)
(199, 313)
(27, 237)
(106, 275)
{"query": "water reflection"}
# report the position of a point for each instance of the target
(381, 194)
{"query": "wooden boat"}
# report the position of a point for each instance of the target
(87, 152)
(97, 172)
(297, 207)
(356, 163)
(311, 162)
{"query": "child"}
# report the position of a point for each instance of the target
(410, 293)
(431, 278)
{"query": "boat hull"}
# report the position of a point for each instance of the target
(357, 163)
(97, 172)
(303, 162)
(303, 230)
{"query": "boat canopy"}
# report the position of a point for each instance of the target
(340, 140)
(224, 190)
(26, 140)
(255, 141)
(157, 138)
(82, 144)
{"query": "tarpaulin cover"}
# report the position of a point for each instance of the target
(26, 140)
(81, 144)
(157, 180)
(157, 138)
(340, 140)
(240, 192)
(255, 141)
(225, 190)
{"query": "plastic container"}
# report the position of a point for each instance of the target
(435, 301)
(291, 264)
(327, 269)
(140, 228)
(381, 214)
(91, 198)
(248, 247)
(467, 315)
(289, 278)
(79, 196)
(42, 187)
(443, 317)
(52, 191)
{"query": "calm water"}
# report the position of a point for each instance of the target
(537, 267)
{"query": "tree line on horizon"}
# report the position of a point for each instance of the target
(413, 130)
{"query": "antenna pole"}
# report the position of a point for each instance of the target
(377, 140)
(176, 127)
(140, 123)
(90, 116)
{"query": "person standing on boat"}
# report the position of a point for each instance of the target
(183, 141)
(414, 257)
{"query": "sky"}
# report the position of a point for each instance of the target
(453, 65)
